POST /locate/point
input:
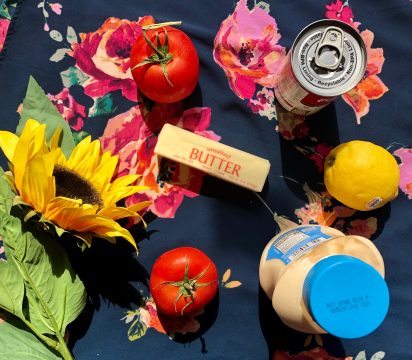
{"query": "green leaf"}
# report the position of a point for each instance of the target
(56, 35)
(11, 289)
(136, 330)
(79, 136)
(55, 295)
(102, 106)
(4, 12)
(73, 76)
(71, 35)
(19, 344)
(264, 6)
(59, 54)
(36, 105)
(6, 195)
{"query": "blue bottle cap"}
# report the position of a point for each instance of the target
(346, 297)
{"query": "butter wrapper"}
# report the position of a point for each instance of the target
(212, 157)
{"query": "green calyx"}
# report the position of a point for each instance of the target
(187, 287)
(161, 53)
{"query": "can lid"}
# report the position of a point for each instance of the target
(346, 297)
(329, 58)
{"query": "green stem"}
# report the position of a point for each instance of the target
(153, 47)
(161, 54)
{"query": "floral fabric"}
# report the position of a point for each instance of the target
(80, 56)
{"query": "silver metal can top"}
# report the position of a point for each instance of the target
(329, 58)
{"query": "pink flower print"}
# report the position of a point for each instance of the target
(365, 228)
(405, 167)
(372, 87)
(4, 25)
(264, 104)
(316, 212)
(104, 56)
(46, 27)
(56, 8)
(246, 47)
(133, 137)
(343, 211)
(375, 56)
(341, 11)
(72, 111)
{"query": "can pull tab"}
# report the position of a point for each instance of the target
(330, 48)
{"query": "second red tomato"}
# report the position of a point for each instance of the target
(183, 281)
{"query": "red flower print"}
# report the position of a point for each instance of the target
(133, 137)
(72, 111)
(104, 56)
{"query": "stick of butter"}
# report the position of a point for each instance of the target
(212, 157)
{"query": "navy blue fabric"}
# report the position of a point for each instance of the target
(229, 223)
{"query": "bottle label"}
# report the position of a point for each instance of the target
(294, 243)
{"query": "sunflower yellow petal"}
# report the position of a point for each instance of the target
(117, 213)
(35, 185)
(30, 143)
(79, 152)
(61, 158)
(68, 218)
(55, 140)
(124, 181)
(29, 126)
(39, 140)
(102, 226)
(56, 205)
(104, 172)
(139, 206)
(8, 142)
(112, 197)
(50, 160)
(87, 166)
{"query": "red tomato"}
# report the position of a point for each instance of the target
(177, 77)
(183, 281)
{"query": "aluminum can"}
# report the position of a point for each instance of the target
(327, 59)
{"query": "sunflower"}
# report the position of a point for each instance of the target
(77, 193)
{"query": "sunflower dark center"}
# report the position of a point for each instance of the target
(71, 185)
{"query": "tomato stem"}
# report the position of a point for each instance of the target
(160, 25)
(187, 287)
(161, 54)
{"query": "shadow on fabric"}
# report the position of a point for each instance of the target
(300, 152)
(107, 271)
(280, 337)
(155, 115)
(206, 320)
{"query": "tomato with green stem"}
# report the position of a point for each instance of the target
(164, 63)
(183, 281)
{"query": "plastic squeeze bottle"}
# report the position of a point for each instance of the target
(321, 281)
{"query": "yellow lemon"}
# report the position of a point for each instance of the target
(361, 175)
